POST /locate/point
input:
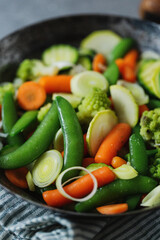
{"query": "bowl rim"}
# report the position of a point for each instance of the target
(59, 211)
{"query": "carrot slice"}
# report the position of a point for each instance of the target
(128, 74)
(112, 143)
(120, 64)
(117, 162)
(31, 95)
(79, 188)
(17, 176)
(113, 209)
(99, 63)
(131, 58)
(60, 83)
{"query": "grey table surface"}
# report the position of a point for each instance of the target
(15, 14)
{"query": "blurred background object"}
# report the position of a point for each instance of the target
(150, 10)
(19, 13)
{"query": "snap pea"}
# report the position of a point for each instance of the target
(138, 154)
(116, 190)
(9, 118)
(23, 122)
(122, 48)
(112, 74)
(136, 129)
(73, 136)
(153, 103)
(36, 144)
(133, 201)
(149, 154)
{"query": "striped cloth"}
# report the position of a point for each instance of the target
(22, 220)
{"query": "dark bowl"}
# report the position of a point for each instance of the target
(31, 41)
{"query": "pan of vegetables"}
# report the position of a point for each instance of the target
(80, 115)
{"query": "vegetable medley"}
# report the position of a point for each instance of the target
(81, 126)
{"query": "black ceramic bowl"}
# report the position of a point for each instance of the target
(31, 41)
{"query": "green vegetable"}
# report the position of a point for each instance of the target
(47, 168)
(60, 53)
(95, 101)
(116, 190)
(36, 144)
(138, 154)
(149, 153)
(9, 118)
(92, 167)
(7, 87)
(149, 76)
(71, 98)
(41, 190)
(136, 129)
(150, 126)
(43, 111)
(85, 62)
(23, 122)
(112, 74)
(33, 68)
(153, 103)
(122, 48)
(133, 201)
(84, 52)
(102, 41)
(73, 136)
(154, 167)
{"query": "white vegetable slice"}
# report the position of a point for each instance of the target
(58, 142)
(102, 41)
(99, 127)
(71, 98)
(47, 168)
(59, 184)
(125, 105)
(152, 199)
(138, 92)
(30, 181)
(125, 172)
(82, 82)
(150, 55)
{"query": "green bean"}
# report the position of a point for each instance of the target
(36, 144)
(117, 190)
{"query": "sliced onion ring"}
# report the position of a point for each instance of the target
(59, 184)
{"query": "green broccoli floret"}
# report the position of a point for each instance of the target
(155, 168)
(7, 87)
(30, 69)
(43, 111)
(92, 103)
(150, 126)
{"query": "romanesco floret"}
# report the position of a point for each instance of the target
(92, 103)
(43, 111)
(150, 126)
(155, 168)
(32, 68)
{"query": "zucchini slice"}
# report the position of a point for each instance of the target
(60, 53)
(102, 41)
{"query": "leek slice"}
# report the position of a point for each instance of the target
(47, 168)
(30, 181)
(125, 172)
(59, 184)
(152, 199)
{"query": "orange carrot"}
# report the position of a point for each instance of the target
(113, 209)
(62, 153)
(120, 64)
(112, 143)
(142, 108)
(117, 162)
(87, 161)
(31, 95)
(17, 176)
(79, 188)
(99, 63)
(131, 58)
(128, 74)
(60, 83)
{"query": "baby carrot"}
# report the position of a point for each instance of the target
(120, 63)
(17, 176)
(113, 209)
(79, 188)
(117, 162)
(128, 74)
(142, 108)
(31, 95)
(99, 63)
(131, 58)
(60, 83)
(112, 143)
